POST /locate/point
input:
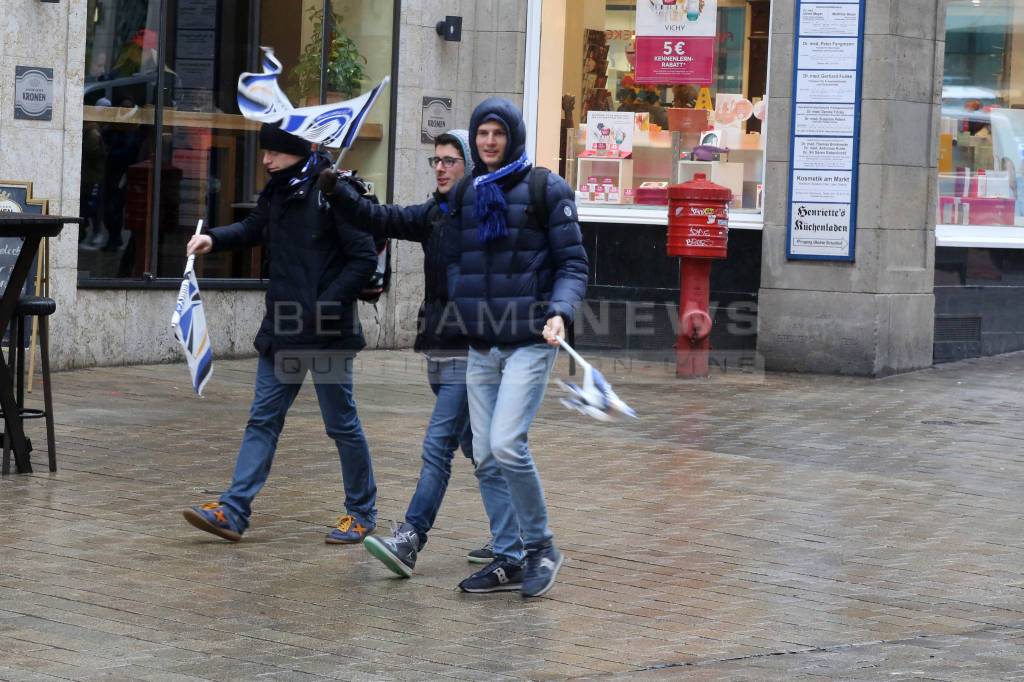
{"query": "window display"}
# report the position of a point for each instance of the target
(981, 134)
(626, 137)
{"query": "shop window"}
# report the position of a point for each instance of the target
(622, 136)
(152, 166)
(981, 135)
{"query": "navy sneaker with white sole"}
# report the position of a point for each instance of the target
(501, 575)
(542, 566)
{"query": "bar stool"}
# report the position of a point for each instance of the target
(41, 307)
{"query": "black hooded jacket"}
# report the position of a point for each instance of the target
(317, 265)
(506, 289)
(426, 223)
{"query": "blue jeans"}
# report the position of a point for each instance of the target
(505, 387)
(266, 420)
(447, 430)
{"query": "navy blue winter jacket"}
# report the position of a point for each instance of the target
(506, 289)
(426, 223)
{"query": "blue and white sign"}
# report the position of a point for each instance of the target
(828, 56)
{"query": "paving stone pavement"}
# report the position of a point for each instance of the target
(746, 528)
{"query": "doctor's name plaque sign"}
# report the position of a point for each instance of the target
(821, 221)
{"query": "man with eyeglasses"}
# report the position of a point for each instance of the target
(436, 337)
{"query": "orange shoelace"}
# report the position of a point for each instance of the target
(345, 523)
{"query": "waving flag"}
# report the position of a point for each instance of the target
(189, 324)
(595, 398)
(259, 96)
(331, 125)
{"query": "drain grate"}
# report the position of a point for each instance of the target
(957, 329)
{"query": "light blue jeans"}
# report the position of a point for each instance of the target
(266, 420)
(505, 388)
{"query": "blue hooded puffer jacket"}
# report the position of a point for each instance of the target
(505, 290)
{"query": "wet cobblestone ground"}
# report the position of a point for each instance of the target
(747, 528)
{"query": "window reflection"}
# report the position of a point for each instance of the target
(207, 153)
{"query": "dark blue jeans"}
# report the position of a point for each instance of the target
(266, 420)
(447, 430)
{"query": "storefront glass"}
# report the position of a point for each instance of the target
(208, 157)
(981, 135)
(624, 135)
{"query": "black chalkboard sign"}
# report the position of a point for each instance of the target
(16, 197)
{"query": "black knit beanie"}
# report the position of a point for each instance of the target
(274, 139)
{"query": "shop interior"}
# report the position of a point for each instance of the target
(677, 129)
(981, 136)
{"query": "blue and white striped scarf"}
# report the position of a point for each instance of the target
(490, 201)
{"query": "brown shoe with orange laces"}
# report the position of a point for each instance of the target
(349, 531)
(213, 518)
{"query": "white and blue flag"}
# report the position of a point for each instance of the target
(189, 324)
(332, 125)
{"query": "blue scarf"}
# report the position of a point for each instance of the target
(490, 201)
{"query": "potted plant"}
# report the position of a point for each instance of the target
(345, 72)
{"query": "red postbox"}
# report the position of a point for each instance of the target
(698, 232)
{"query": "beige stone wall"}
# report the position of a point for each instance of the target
(488, 61)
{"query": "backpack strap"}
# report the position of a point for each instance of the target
(538, 208)
(455, 206)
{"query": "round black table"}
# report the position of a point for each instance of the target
(31, 229)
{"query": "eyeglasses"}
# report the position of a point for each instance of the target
(446, 161)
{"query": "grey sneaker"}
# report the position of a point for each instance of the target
(542, 566)
(397, 552)
(484, 555)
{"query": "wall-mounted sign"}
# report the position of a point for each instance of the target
(437, 118)
(675, 41)
(828, 57)
(33, 93)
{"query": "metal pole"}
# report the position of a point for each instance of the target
(325, 49)
(158, 137)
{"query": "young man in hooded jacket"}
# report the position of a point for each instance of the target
(516, 282)
(445, 349)
(317, 269)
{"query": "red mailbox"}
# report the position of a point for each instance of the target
(698, 232)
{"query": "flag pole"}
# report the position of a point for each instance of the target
(192, 259)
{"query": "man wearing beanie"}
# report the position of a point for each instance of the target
(444, 347)
(317, 268)
(516, 281)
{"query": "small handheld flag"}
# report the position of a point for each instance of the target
(595, 398)
(189, 324)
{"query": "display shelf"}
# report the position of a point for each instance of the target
(726, 173)
(603, 180)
